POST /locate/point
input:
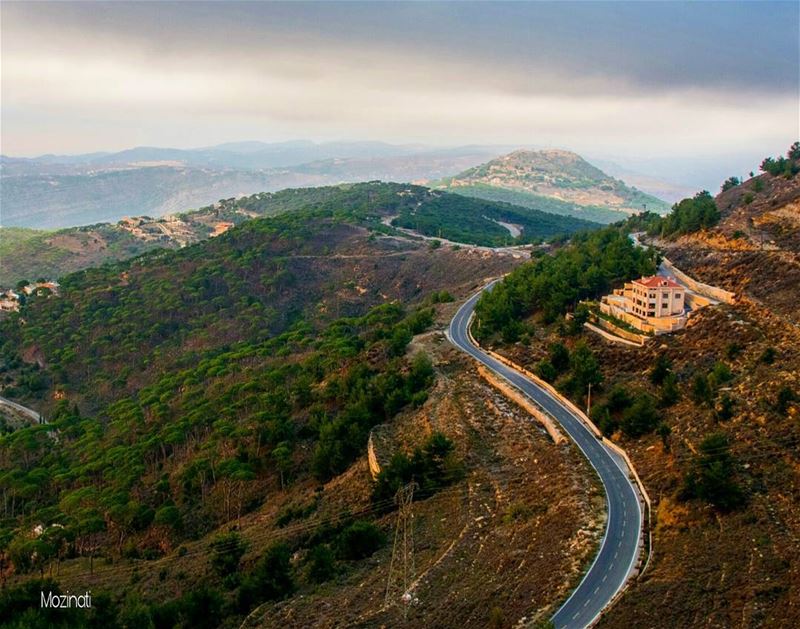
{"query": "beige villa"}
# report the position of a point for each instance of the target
(653, 305)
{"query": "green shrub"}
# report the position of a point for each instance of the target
(720, 374)
(170, 516)
(517, 511)
(733, 350)
(712, 476)
(783, 166)
(768, 356)
(786, 396)
(664, 431)
(701, 390)
(359, 540)
(608, 414)
(227, 550)
(730, 182)
(641, 417)
(660, 369)
(321, 564)
(559, 357)
(270, 580)
(201, 607)
(431, 466)
(724, 408)
(545, 370)
(584, 369)
(669, 393)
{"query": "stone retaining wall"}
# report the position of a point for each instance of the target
(713, 292)
(372, 458)
(639, 339)
(518, 398)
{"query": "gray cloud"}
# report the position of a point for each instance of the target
(625, 74)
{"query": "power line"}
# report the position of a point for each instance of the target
(778, 448)
(401, 567)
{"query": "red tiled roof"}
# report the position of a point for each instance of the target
(657, 281)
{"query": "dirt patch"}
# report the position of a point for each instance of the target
(79, 243)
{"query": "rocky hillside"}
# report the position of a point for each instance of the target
(755, 248)
(736, 562)
(553, 181)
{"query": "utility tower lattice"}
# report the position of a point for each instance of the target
(401, 568)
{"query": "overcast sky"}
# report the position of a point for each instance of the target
(631, 79)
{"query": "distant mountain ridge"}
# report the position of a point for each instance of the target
(51, 192)
(553, 180)
(248, 154)
(56, 191)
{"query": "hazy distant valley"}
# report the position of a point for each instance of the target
(56, 191)
(64, 191)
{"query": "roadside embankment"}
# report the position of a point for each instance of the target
(515, 396)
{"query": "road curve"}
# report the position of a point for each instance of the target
(36, 417)
(619, 549)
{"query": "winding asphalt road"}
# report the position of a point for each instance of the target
(619, 549)
(36, 417)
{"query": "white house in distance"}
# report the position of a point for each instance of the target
(9, 301)
(654, 304)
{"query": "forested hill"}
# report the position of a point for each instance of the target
(112, 325)
(187, 388)
(29, 254)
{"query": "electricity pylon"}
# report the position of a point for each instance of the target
(401, 568)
